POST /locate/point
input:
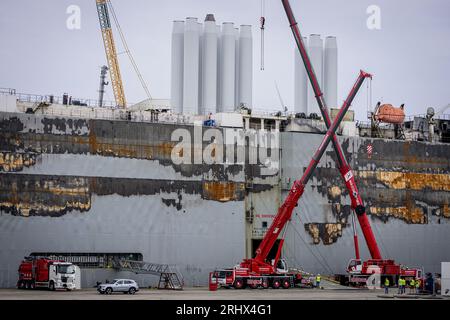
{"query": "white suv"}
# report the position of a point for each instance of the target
(119, 285)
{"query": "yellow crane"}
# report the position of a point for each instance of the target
(111, 54)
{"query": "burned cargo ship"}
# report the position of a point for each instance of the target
(196, 182)
(90, 185)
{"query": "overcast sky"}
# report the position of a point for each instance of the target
(409, 56)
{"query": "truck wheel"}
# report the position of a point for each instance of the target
(27, 285)
(32, 285)
(108, 291)
(21, 285)
(265, 284)
(239, 284)
(132, 291)
(276, 284)
(254, 286)
(51, 286)
(286, 284)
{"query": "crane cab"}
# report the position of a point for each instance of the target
(223, 277)
(354, 266)
(281, 266)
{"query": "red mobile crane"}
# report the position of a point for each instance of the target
(258, 271)
(360, 270)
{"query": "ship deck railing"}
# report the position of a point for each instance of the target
(37, 98)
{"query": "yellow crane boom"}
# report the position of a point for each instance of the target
(111, 53)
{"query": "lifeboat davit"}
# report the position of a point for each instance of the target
(389, 114)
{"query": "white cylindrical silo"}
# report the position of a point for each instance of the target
(236, 67)
(300, 82)
(330, 65)
(191, 66)
(209, 66)
(219, 70)
(200, 66)
(315, 51)
(176, 87)
(245, 66)
(227, 76)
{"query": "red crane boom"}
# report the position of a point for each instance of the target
(259, 264)
(344, 168)
(386, 268)
(260, 272)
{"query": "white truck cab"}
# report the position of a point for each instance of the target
(65, 275)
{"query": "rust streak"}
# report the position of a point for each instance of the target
(12, 162)
(410, 214)
(327, 232)
(45, 197)
(221, 191)
(142, 151)
(410, 180)
(446, 210)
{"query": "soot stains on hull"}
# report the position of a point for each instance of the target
(151, 141)
(328, 233)
(13, 162)
(43, 196)
(413, 197)
(40, 195)
(384, 191)
(402, 156)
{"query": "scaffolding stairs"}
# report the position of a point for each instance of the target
(169, 276)
(37, 105)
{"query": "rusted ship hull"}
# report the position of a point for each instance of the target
(406, 189)
(85, 187)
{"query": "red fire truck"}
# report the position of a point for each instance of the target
(38, 272)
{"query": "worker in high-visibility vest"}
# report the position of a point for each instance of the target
(386, 285)
(412, 286)
(417, 286)
(318, 278)
(401, 285)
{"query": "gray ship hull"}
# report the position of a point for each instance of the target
(406, 189)
(77, 186)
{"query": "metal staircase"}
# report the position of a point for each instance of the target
(169, 276)
(37, 105)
